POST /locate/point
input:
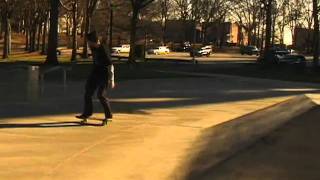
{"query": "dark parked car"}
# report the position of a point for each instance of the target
(282, 57)
(183, 47)
(250, 50)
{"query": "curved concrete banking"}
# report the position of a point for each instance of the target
(220, 142)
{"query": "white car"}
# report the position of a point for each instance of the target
(159, 50)
(206, 50)
(203, 51)
(123, 49)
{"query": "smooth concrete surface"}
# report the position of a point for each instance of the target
(289, 153)
(156, 126)
(225, 140)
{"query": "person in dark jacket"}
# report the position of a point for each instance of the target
(101, 76)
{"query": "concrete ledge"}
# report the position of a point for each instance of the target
(218, 143)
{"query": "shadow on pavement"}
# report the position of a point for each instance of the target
(45, 125)
(140, 95)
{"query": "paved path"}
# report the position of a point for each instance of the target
(155, 125)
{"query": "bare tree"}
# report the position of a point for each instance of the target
(268, 8)
(282, 22)
(72, 6)
(164, 6)
(212, 11)
(184, 8)
(7, 12)
(315, 15)
(53, 33)
(90, 6)
(295, 11)
(246, 13)
(137, 6)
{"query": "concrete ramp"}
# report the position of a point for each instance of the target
(218, 143)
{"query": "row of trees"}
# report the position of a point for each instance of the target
(264, 21)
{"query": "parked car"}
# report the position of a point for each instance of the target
(282, 57)
(250, 50)
(122, 49)
(182, 47)
(203, 51)
(159, 50)
(186, 46)
(282, 49)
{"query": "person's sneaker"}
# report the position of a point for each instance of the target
(104, 122)
(109, 118)
(83, 118)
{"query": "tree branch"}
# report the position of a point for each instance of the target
(64, 6)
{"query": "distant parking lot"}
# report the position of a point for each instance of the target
(185, 56)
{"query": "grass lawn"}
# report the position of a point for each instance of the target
(34, 57)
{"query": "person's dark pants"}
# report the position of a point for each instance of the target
(96, 83)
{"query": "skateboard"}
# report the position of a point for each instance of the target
(84, 121)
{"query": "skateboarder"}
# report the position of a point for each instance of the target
(101, 76)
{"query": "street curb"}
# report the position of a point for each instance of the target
(218, 143)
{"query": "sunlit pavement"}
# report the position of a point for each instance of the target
(156, 122)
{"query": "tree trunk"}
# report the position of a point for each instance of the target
(249, 36)
(6, 38)
(164, 31)
(258, 39)
(53, 33)
(315, 34)
(111, 28)
(67, 27)
(39, 36)
(82, 26)
(27, 39)
(273, 29)
(204, 33)
(86, 31)
(282, 34)
(254, 37)
(33, 37)
(9, 37)
(1, 28)
(74, 32)
(30, 39)
(134, 20)
(44, 35)
(268, 25)
(19, 27)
